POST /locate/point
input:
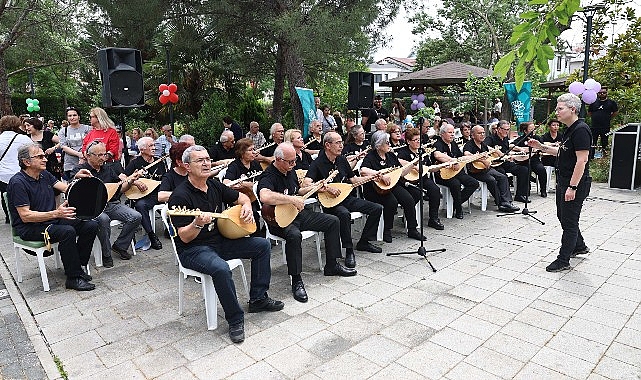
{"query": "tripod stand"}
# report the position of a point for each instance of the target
(525, 210)
(421, 249)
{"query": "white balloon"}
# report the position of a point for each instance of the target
(414, 101)
(589, 84)
(166, 93)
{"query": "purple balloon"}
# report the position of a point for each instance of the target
(597, 87)
(589, 84)
(589, 96)
(420, 105)
(577, 88)
(420, 98)
(413, 97)
(413, 107)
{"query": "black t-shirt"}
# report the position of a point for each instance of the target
(188, 196)
(218, 152)
(406, 154)
(322, 166)
(155, 172)
(373, 161)
(576, 137)
(352, 148)
(237, 169)
(548, 138)
(171, 180)
(494, 140)
(269, 151)
(451, 150)
(601, 112)
(372, 116)
(304, 161)
(471, 147)
(315, 145)
(109, 173)
(382, 113)
(278, 182)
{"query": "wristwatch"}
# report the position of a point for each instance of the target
(573, 187)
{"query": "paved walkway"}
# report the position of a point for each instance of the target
(490, 312)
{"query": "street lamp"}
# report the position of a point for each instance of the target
(589, 12)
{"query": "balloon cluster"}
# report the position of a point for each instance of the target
(33, 105)
(418, 102)
(587, 90)
(168, 93)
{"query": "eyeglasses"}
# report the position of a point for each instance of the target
(38, 156)
(98, 154)
(340, 142)
(290, 162)
(505, 129)
(201, 160)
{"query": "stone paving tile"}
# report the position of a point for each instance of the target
(380, 350)
(347, 366)
(293, 361)
(408, 332)
(533, 371)
(456, 341)
(434, 315)
(465, 371)
(396, 371)
(615, 369)
(512, 347)
(542, 319)
(259, 370)
(494, 362)
(491, 314)
(577, 346)
(430, 360)
(211, 367)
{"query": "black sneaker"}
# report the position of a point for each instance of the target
(155, 242)
(266, 304)
(557, 266)
(107, 261)
(581, 251)
(237, 332)
(121, 252)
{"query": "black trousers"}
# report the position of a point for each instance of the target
(74, 237)
(497, 184)
(342, 212)
(520, 172)
(454, 184)
(308, 220)
(600, 132)
(433, 196)
(539, 169)
(398, 196)
(569, 214)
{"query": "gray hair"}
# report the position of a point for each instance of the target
(379, 123)
(24, 153)
(186, 138)
(570, 100)
(272, 129)
(503, 122)
(278, 152)
(194, 148)
(329, 137)
(379, 138)
(355, 130)
(444, 129)
(144, 141)
(93, 144)
(224, 137)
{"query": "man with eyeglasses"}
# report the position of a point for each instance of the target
(330, 158)
(279, 185)
(602, 111)
(206, 251)
(32, 205)
(502, 140)
(223, 151)
(95, 156)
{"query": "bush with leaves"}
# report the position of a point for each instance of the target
(208, 127)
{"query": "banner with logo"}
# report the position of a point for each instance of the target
(306, 97)
(520, 101)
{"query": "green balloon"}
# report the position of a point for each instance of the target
(36, 102)
(30, 108)
(28, 101)
(36, 107)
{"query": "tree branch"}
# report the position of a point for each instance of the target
(46, 65)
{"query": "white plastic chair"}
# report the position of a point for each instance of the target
(209, 292)
(152, 215)
(483, 190)
(549, 170)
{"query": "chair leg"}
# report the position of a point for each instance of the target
(43, 269)
(18, 264)
(318, 250)
(284, 255)
(484, 192)
(244, 277)
(181, 284)
(379, 231)
(211, 302)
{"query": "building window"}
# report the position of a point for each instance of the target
(378, 78)
(558, 63)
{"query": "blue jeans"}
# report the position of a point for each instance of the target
(117, 211)
(210, 259)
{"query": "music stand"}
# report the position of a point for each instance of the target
(421, 249)
(525, 210)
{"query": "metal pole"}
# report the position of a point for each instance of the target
(33, 90)
(171, 105)
(586, 60)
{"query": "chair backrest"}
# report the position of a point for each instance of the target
(221, 174)
(165, 220)
(5, 196)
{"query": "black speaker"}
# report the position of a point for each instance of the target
(121, 74)
(361, 90)
(625, 165)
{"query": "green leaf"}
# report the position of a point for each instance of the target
(547, 51)
(519, 74)
(529, 15)
(541, 64)
(537, 2)
(503, 65)
(573, 6)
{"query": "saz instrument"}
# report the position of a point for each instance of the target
(133, 192)
(328, 200)
(478, 166)
(284, 214)
(395, 175)
(413, 174)
(517, 156)
(353, 156)
(313, 139)
(243, 178)
(450, 172)
(229, 222)
(301, 173)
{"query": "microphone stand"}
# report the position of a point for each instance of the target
(525, 210)
(421, 249)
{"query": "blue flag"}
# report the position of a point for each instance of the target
(520, 101)
(306, 97)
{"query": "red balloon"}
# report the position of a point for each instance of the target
(162, 87)
(173, 97)
(172, 87)
(163, 99)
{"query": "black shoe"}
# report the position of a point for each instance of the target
(266, 304)
(6, 220)
(436, 224)
(544, 194)
(85, 276)
(339, 270)
(414, 234)
(557, 266)
(298, 290)
(107, 261)
(155, 242)
(237, 332)
(458, 214)
(364, 245)
(79, 283)
(350, 258)
(508, 208)
(387, 236)
(581, 251)
(532, 179)
(519, 198)
(121, 252)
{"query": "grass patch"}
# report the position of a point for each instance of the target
(600, 169)
(61, 368)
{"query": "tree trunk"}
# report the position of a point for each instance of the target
(5, 94)
(279, 85)
(295, 78)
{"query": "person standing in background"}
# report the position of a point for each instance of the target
(71, 138)
(602, 111)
